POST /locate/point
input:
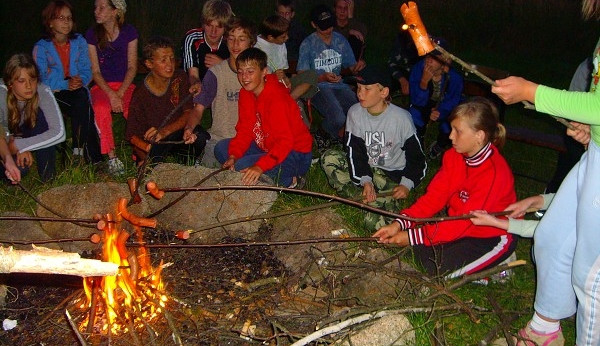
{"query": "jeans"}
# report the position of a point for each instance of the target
(333, 104)
(295, 164)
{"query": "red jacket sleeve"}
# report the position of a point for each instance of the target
(488, 187)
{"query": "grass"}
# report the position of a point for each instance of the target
(540, 40)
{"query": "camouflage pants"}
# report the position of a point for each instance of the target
(335, 165)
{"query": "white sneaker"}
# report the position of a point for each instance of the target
(115, 166)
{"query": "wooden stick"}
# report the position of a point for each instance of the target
(74, 328)
(47, 261)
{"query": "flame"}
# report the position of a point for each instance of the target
(131, 298)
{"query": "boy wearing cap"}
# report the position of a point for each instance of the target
(330, 54)
(383, 152)
(435, 89)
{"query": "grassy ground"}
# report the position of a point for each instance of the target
(541, 40)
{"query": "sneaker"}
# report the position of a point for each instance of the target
(435, 151)
(115, 166)
(529, 337)
(322, 141)
(298, 183)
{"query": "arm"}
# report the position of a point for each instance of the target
(452, 95)
(356, 153)
(56, 128)
(416, 165)
(54, 79)
(115, 101)
(201, 101)
(419, 97)
(132, 62)
(84, 65)
(10, 168)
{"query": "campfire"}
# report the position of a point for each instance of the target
(133, 297)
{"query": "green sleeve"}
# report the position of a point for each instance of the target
(524, 228)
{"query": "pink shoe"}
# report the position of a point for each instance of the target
(529, 337)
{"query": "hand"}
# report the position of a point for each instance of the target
(581, 134)
(12, 172)
(435, 115)
(357, 34)
(211, 60)
(368, 193)
(330, 77)
(75, 83)
(404, 86)
(230, 163)
(251, 175)
(195, 88)
(392, 233)
(24, 159)
(359, 66)
(153, 135)
(482, 218)
(515, 89)
(116, 102)
(400, 191)
(189, 136)
(350, 8)
(519, 208)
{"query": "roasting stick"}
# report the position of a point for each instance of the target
(418, 32)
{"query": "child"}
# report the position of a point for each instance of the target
(353, 30)
(163, 89)
(271, 137)
(273, 33)
(113, 52)
(473, 176)
(220, 92)
(203, 47)
(64, 64)
(329, 53)
(30, 113)
(403, 57)
(296, 33)
(383, 153)
(566, 240)
(435, 90)
(6, 160)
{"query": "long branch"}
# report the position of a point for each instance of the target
(329, 197)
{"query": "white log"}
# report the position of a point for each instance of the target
(47, 261)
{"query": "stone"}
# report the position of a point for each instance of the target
(387, 330)
(23, 230)
(83, 201)
(199, 210)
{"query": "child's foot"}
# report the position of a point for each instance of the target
(530, 337)
(115, 166)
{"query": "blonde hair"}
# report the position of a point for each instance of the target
(12, 70)
(590, 9)
(218, 10)
(482, 114)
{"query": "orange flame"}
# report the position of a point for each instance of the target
(132, 297)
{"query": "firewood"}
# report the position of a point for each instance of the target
(47, 261)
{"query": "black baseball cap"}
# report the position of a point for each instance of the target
(322, 16)
(372, 75)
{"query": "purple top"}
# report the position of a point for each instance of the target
(113, 58)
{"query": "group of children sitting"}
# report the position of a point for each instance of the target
(257, 123)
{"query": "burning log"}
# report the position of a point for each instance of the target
(47, 261)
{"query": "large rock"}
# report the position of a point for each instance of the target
(388, 330)
(83, 201)
(316, 224)
(23, 230)
(199, 210)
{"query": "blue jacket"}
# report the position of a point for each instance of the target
(51, 69)
(421, 104)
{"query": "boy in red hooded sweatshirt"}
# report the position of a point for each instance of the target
(271, 137)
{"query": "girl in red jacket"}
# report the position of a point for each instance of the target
(271, 136)
(473, 176)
